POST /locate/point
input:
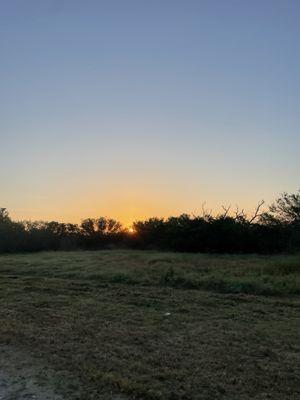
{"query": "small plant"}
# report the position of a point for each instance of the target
(168, 277)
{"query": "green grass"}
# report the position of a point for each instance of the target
(148, 325)
(276, 275)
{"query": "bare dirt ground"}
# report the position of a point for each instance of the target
(23, 378)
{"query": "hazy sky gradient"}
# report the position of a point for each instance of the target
(138, 108)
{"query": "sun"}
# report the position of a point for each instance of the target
(131, 230)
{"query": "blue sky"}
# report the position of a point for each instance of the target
(139, 108)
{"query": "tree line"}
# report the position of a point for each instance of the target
(274, 230)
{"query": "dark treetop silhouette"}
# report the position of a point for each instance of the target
(275, 230)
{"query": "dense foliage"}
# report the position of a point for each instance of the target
(275, 230)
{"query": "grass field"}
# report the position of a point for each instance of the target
(147, 325)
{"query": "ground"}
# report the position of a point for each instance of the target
(147, 325)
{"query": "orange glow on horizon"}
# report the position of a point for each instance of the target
(127, 204)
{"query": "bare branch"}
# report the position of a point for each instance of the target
(204, 213)
(239, 213)
(226, 211)
(256, 213)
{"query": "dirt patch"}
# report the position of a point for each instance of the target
(22, 377)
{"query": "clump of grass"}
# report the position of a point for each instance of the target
(269, 280)
(129, 387)
(122, 278)
(282, 268)
(168, 276)
(160, 261)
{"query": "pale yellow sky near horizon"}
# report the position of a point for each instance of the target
(126, 209)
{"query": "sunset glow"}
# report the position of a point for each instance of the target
(149, 199)
(141, 109)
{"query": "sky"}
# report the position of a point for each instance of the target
(140, 108)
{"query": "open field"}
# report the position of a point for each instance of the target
(148, 325)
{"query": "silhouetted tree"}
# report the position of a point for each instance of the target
(276, 230)
(11, 233)
(286, 210)
(101, 232)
